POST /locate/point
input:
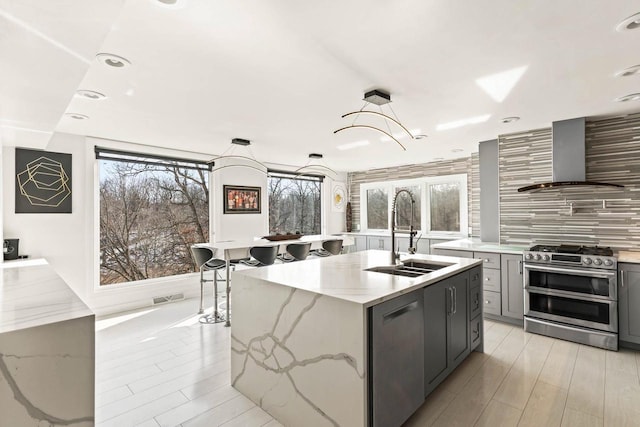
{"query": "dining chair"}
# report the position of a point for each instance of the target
(206, 261)
(329, 247)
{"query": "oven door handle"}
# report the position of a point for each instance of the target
(569, 294)
(585, 272)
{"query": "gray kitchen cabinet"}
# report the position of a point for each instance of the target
(397, 359)
(422, 245)
(446, 318)
(512, 286)
(379, 242)
(452, 252)
(629, 302)
(359, 243)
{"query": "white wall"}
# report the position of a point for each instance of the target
(238, 226)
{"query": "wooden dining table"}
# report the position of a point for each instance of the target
(237, 249)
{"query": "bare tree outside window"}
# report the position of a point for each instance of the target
(377, 208)
(403, 208)
(149, 217)
(294, 205)
(445, 207)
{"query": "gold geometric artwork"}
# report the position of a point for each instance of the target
(44, 182)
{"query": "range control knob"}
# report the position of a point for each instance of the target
(538, 257)
(545, 257)
(587, 261)
(528, 256)
(608, 262)
(597, 261)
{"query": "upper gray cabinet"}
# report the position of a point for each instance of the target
(489, 191)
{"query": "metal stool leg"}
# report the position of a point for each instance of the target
(215, 316)
(201, 291)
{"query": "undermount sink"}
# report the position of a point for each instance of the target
(409, 268)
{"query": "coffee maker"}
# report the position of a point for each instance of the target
(10, 249)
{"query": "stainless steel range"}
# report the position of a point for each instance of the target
(571, 292)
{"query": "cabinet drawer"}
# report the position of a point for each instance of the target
(491, 280)
(475, 277)
(475, 332)
(452, 252)
(491, 302)
(489, 259)
(475, 301)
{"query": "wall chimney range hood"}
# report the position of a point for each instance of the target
(568, 158)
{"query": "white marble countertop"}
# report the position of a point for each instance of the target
(474, 244)
(343, 276)
(401, 234)
(32, 294)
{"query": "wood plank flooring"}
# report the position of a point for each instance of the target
(160, 367)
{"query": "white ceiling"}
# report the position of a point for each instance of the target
(281, 73)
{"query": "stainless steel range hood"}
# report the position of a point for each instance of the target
(568, 157)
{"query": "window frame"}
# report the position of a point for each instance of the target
(425, 202)
(193, 164)
(320, 179)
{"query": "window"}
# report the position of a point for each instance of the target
(152, 209)
(440, 204)
(377, 208)
(294, 203)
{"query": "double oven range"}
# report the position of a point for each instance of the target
(571, 292)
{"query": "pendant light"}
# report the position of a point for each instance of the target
(377, 97)
(239, 154)
(315, 166)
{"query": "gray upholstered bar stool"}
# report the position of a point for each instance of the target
(296, 252)
(261, 256)
(205, 260)
(329, 247)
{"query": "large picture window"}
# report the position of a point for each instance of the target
(294, 203)
(440, 204)
(152, 210)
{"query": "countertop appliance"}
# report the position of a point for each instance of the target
(10, 249)
(571, 292)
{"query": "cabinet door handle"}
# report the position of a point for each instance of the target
(450, 311)
(520, 266)
(455, 300)
(622, 278)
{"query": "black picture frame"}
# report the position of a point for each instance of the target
(239, 199)
(43, 182)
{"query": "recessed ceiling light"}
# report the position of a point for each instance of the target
(457, 150)
(631, 23)
(170, 4)
(420, 136)
(113, 60)
(510, 119)
(631, 71)
(401, 135)
(90, 94)
(630, 97)
(463, 122)
(77, 116)
(437, 159)
(352, 145)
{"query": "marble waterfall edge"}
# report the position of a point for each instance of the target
(296, 362)
(47, 375)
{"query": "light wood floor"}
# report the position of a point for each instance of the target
(160, 367)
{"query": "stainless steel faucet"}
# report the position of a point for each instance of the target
(412, 250)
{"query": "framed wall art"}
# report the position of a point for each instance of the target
(240, 199)
(43, 182)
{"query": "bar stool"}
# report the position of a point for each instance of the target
(296, 252)
(329, 247)
(261, 256)
(205, 260)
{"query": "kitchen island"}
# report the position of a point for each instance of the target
(326, 342)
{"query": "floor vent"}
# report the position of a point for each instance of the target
(168, 298)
